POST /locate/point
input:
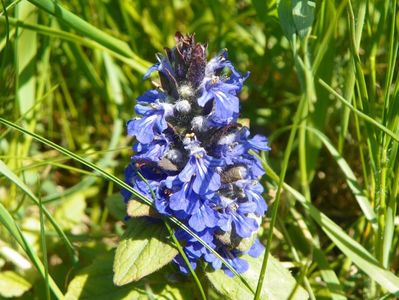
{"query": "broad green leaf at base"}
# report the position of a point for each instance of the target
(142, 251)
(278, 285)
(95, 282)
(12, 284)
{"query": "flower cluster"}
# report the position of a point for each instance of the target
(193, 157)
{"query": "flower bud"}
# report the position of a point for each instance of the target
(183, 106)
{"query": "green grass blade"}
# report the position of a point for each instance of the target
(9, 223)
(287, 153)
(136, 63)
(83, 27)
(359, 113)
(14, 178)
(351, 248)
(350, 177)
(188, 264)
(44, 249)
(25, 46)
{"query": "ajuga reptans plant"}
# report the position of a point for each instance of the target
(193, 156)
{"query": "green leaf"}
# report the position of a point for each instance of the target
(278, 284)
(142, 251)
(12, 284)
(95, 282)
(71, 212)
(286, 19)
(116, 206)
(303, 15)
(296, 17)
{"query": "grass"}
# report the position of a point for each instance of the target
(324, 87)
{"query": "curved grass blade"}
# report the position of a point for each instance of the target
(359, 113)
(351, 248)
(44, 249)
(124, 185)
(349, 176)
(15, 179)
(9, 223)
(83, 27)
(136, 62)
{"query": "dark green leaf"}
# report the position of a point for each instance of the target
(286, 18)
(303, 15)
(116, 206)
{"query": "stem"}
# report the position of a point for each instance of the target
(287, 153)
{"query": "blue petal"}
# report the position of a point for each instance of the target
(180, 262)
(203, 218)
(238, 264)
(153, 68)
(206, 179)
(185, 199)
(142, 128)
(256, 249)
(259, 142)
(151, 96)
(188, 171)
(246, 208)
(245, 226)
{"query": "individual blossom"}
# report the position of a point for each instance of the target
(193, 158)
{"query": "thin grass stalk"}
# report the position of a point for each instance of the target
(350, 79)
(44, 248)
(362, 115)
(284, 166)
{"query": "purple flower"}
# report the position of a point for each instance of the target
(222, 89)
(202, 168)
(226, 102)
(204, 217)
(194, 158)
(235, 216)
(152, 96)
(153, 121)
(185, 199)
(253, 193)
(152, 151)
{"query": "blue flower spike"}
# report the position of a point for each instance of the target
(194, 155)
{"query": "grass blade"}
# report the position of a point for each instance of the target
(359, 113)
(136, 63)
(83, 27)
(9, 223)
(350, 178)
(351, 248)
(14, 178)
(44, 249)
